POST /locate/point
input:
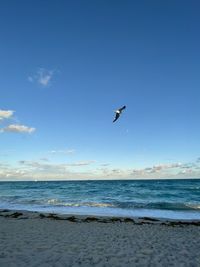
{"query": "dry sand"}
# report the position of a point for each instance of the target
(33, 239)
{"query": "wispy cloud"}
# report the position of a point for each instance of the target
(30, 79)
(81, 163)
(170, 170)
(29, 170)
(42, 77)
(6, 153)
(49, 166)
(44, 159)
(62, 151)
(105, 164)
(45, 170)
(17, 128)
(162, 167)
(5, 114)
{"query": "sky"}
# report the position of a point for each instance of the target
(66, 66)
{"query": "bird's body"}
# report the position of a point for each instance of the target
(118, 113)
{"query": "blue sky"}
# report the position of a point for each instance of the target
(67, 65)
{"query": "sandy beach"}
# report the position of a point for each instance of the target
(36, 239)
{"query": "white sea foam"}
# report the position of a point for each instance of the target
(55, 201)
(193, 206)
(88, 204)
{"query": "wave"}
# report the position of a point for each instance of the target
(161, 206)
(56, 202)
(130, 205)
(193, 206)
(174, 206)
(127, 205)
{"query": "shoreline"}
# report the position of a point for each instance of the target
(24, 214)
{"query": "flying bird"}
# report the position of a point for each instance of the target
(118, 113)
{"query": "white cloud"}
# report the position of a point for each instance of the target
(17, 128)
(81, 163)
(44, 159)
(42, 77)
(5, 114)
(64, 151)
(160, 170)
(29, 170)
(45, 170)
(56, 167)
(161, 167)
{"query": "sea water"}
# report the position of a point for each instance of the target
(175, 199)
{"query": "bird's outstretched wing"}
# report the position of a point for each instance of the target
(116, 116)
(120, 109)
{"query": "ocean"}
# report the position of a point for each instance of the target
(173, 199)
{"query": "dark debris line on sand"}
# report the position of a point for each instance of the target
(139, 221)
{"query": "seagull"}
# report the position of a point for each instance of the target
(118, 113)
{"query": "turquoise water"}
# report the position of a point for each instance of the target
(178, 199)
